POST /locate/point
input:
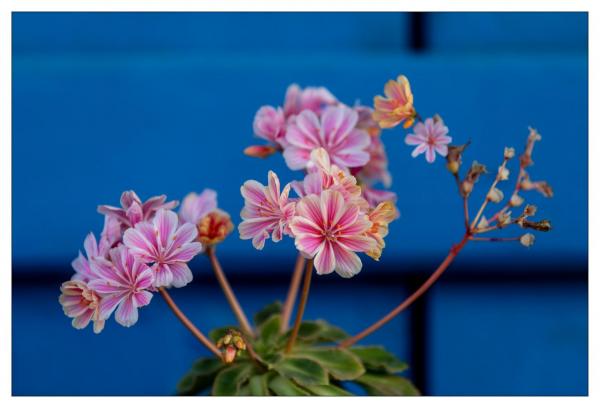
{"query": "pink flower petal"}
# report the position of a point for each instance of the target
(126, 314)
(184, 253)
(325, 259)
(253, 192)
(142, 298)
(332, 205)
(420, 149)
(162, 275)
(347, 263)
(141, 241)
(296, 158)
(182, 275)
(166, 223)
(430, 154)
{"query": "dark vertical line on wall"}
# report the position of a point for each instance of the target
(416, 35)
(418, 325)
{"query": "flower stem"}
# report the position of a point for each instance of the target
(412, 298)
(188, 324)
(494, 239)
(233, 302)
(487, 200)
(301, 305)
(286, 312)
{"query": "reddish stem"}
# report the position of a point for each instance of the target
(286, 312)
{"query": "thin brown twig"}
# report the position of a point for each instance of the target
(231, 298)
(495, 239)
(188, 324)
(412, 298)
(301, 305)
(487, 199)
(290, 299)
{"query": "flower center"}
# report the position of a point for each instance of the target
(330, 234)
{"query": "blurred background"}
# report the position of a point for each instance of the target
(164, 103)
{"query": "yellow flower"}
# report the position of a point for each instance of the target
(397, 106)
(214, 227)
(381, 216)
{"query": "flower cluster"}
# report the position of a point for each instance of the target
(143, 246)
(330, 220)
(313, 118)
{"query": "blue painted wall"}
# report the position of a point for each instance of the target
(163, 103)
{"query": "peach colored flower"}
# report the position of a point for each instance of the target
(381, 216)
(214, 227)
(397, 106)
(82, 304)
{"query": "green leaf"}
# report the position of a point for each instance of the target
(330, 332)
(383, 384)
(316, 332)
(302, 370)
(269, 330)
(328, 390)
(268, 311)
(341, 364)
(282, 386)
(199, 377)
(229, 380)
(377, 358)
(259, 384)
(244, 391)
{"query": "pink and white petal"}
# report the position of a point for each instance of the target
(105, 270)
(430, 154)
(332, 207)
(356, 140)
(81, 321)
(325, 259)
(182, 275)
(358, 227)
(441, 149)
(443, 140)
(258, 241)
(108, 305)
(145, 278)
(141, 241)
(162, 275)
(305, 226)
(126, 314)
(254, 226)
(336, 123)
(310, 208)
(347, 263)
(420, 149)
(357, 243)
(165, 222)
(309, 244)
(135, 213)
(184, 253)
(348, 159)
(99, 326)
(115, 212)
(90, 245)
(253, 192)
(348, 217)
(107, 288)
(296, 158)
(308, 124)
(383, 104)
(414, 140)
(273, 188)
(142, 298)
(313, 184)
(298, 138)
(184, 234)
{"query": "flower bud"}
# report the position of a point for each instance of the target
(466, 188)
(229, 354)
(509, 153)
(453, 166)
(504, 219)
(483, 223)
(495, 195)
(214, 227)
(227, 339)
(503, 173)
(259, 151)
(527, 240)
(516, 200)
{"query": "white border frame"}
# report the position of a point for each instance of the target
(8, 6)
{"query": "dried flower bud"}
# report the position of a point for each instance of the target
(214, 227)
(544, 188)
(260, 151)
(543, 226)
(437, 119)
(495, 195)
(466, 188)
(483, 223)
(509, 153)
(453, 166)
(504, 219)
(473, 174)
(516, 200)
(503, 173)
(454, 157)
(529, 210)
(527, 240)
(229, 354)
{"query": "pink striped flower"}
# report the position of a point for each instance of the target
(331, 231)
(133, 210)
(166, 245)
(269, 124)
(82, 304)
(110, 236)
(123, 283)
(335, 131)
(429, 137)
(267, 211)
(195, 206)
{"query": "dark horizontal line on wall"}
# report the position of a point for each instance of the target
(573, 272)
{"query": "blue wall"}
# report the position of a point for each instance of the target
(163, 103)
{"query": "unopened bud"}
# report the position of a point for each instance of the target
(259, 151)
(214, 227)
(516, 200)
(526, 184)
(453, 166)
(509, 152)
(466, 188)
(503, 173)
(495, 196)
(527, 240)
(227, 339)
(483, 223)
(229, 354)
